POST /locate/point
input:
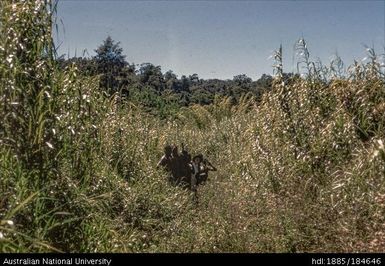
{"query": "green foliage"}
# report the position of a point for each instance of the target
(110, 64)
(117, 77)
(300, 168)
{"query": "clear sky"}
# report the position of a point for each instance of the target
(220, 39)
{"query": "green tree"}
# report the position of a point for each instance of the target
(242, 79)
(171, 81)
(110, 63)
(152, 76)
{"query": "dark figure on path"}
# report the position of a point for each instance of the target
(185, 155)
(176, 161)
(166, 160)
(185, 168)
(180, 168)
(201, 168)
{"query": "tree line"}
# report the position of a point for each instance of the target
(155, 90)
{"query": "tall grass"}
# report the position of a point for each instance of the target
(301, 170)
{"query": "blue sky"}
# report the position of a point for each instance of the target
(220, 39)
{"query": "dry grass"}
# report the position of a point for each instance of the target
(303, 170)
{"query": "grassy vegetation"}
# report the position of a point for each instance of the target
(301, 170)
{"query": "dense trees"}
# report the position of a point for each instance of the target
(150, 86)
(151, 76)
